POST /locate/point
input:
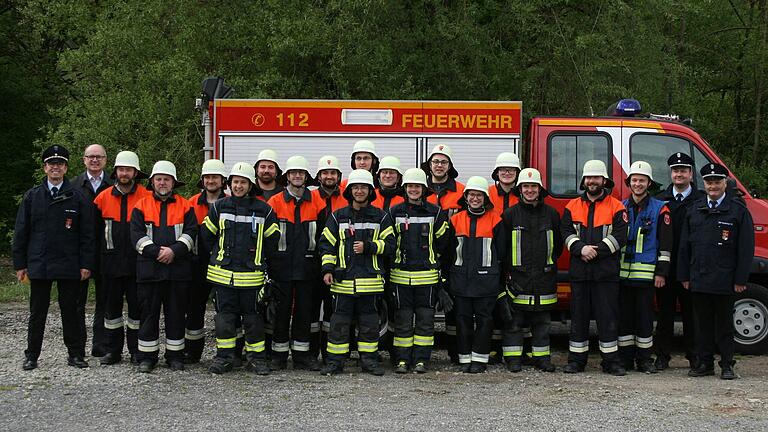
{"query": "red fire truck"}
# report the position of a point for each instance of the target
(237, 129)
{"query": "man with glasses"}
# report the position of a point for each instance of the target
(53, 242)
(92, 182)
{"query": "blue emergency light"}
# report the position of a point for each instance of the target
(625, 108)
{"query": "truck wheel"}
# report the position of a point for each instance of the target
(750, 320)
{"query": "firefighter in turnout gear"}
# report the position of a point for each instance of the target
(531, 270)
(241, 232)
(421, 230)
(268, 174)
(163, 230)
(505, 174)
(328, 175)
(296, 267)
(53, 242)
(354, 242)
(479, 245)
(644, 265)
(717, 245)
(448, 192)
(680, 196)
(118, 256)
(390, 191)
(594, 227)
(213, 177)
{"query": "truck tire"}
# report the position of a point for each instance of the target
(750, 320)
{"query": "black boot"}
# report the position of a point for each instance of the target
(514, 364)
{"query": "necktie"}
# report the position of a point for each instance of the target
(712, 204)
(55, 191)
(679, 197)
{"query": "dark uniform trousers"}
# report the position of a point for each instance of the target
(295, 300)
(172, 297)
(346, 308)
(667, 299)
(117, 289)
(528, 325)
(713, 316)
(235, 306)
(635, 322)
(194, 331)
(322, 306)
(602, 298)
(71, 322)
(413, 342)
(474, 326)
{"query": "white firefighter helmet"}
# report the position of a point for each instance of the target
(446, 151)
(505, 160)
(364, 146)
(328, 162)
(596, 168)
(641, 167)
(213, 166)
(415, 176)
(243, 169)
(360, 176)
(298, 163)
(392, 163)
(267, 155)
(477, 183)
(167, 168)
(529, 175)
(127, 158)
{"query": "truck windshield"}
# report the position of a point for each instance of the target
(656, 149)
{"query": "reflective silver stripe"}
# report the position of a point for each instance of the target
(626, 340)
(459, 251)
(142, 243)
(150, 231)
(609, 347)
(465, 358)
(113, 324)
(578, 347)
(326, 326)
(312, 233)
(174, 344)
(544, 348)
(644, 342)
(194, 334)
(282, 244)
(178, 229)
(480, 358)
(487, 254)
(665, 256)
(612, 243)
(244, 219)
(571, 239)
(188, 242)
(280, 346)
(314, 327)
(300, 346)
(450, 330)
(423, 219)
(108, 234)
(149, 346)
(360, 225)
(133, 324)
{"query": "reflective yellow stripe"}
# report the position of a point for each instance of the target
(333, 348)
(388, 231)
(429, 245)
(423, 340)
(422, 277)
(515, 247)
(403, 342)
(271, 230)
(220, 255)
(260, 242)
(342, 259)
(361, 285)
(226, 277)
(639, 241)
(210, 225)
(255, 347)
(225, 343)
(443, 228)
(367, 346)
(328, 236)
(329, 259)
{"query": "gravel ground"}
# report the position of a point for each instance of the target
(62, 398)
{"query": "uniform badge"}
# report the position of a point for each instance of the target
(625, 217)
(667, 219)
(68, 223)
(725, 234)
